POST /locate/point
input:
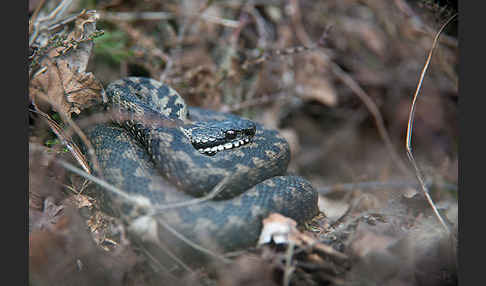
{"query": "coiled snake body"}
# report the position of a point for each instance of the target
(156, 165)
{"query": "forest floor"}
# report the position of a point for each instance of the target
(336, 78)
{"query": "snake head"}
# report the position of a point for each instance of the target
(210, 137)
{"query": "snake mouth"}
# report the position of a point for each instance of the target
(212, 137)
(226, 140)
(212, 147)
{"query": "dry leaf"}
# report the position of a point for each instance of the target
(281, 229)
(313, 80)
(63, 82)
(318, 89)
(82, 201)
(334, 209)
(278, 228)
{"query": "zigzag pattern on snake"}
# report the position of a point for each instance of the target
(156, 165)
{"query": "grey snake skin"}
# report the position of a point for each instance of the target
(157, 164)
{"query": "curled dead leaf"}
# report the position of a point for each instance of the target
(65, 89)
(62, 80)
(283, 230)
(278, 228)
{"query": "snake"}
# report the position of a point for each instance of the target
(165, 158)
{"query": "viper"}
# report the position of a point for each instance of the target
(163, 155)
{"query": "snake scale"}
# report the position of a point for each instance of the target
(163, 153)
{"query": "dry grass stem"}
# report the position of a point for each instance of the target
(266, 98)
(289, 268)
(192, 244)
(408, 142)
(151, 211)
(39, 24)
(211, 195)
(161, 16)
(34, 15)
(98, 181)
(65, 139)
(171, 255)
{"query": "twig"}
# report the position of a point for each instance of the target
(375, 112)
(176, 51)
(136, 16)
(120, 116)
(260, 24)
(160, 16)
(192, 244)
(211, 195)
(154, 210)
(296, 18)
(37, 23)
(98, 181)
(266, 98)
(408, 142)
(34, 16)
(150, 210)
(289, 268)
(313, 244)
(220, 21)
(377, 185)
(171, 255)
(59, 10)
(65, 139)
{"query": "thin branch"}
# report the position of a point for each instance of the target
(136, 16)
(408, 142)
(65, 139)
(289, 268)
(98, 181)
(58, 11)
(160, 16)
(38, 25)
(154, 210)
(192, 244)
(375, 112)
(296, 18)
(211, 195)
(151, 210)
(367, 186)
(171, 255)
(34, 15)
(255, 101)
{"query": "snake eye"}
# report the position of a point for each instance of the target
(230, 134)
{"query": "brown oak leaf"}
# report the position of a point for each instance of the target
(62, 80)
